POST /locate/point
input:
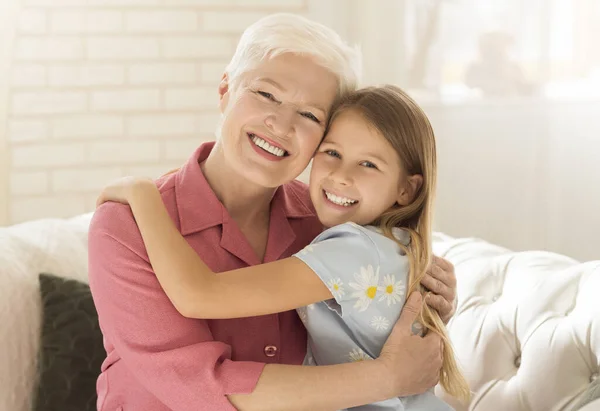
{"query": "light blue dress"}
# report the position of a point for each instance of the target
(367, 274)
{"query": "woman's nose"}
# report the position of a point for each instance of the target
(280, 120)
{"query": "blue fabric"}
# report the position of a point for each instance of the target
(367, 274)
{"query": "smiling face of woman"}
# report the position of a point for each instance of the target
(274, 118)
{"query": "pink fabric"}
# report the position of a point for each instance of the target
(158, 360)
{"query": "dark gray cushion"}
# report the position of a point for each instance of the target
(71, 350)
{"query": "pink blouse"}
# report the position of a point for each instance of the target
(158, 360)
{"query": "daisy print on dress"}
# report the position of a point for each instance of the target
(380, 323)
(336, 287)
(358, 355)
(302, 314)
(393, 291)
(366, 286)
(307, 250)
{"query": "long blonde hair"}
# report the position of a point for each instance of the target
(403, 123)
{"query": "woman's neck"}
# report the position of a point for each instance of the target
(243, 200)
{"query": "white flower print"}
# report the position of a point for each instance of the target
(336, 287)
(366, 287)
(358, 355)
(380, 323)
(307, 250)
(311, 306)
(393, 291)
(302, 314)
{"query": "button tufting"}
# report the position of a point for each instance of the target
(518, 361)
(495, 298)
(594, 377)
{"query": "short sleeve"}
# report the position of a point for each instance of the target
(347, 260)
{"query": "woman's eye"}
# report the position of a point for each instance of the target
(368, 164)
(266, 95)
(333, 153)
(311, 116)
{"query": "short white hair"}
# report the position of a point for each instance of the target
(290, 33)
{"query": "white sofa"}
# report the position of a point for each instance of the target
(527, 330)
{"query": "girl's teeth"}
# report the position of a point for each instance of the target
(339, 200)
(267, 147)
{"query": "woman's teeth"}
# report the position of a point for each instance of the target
(276, 151)
(343, 201)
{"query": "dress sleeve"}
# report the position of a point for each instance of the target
(347, 260)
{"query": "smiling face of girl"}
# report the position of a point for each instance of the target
(356, 174)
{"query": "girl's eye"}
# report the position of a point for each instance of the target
(333, 153)
(311, 116)
(266, 95)
(368, 164)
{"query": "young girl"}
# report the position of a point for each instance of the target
(372, 184)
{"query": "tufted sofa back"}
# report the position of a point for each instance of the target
(527, 328)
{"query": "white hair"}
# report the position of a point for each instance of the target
(289, 33)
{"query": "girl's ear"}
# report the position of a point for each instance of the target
(409, 189)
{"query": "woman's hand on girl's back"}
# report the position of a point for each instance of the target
(412, 362)
(124, 189)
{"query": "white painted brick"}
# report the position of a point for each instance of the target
(182, 149)
(122, 48)
(90, 201)
(125, 100)
(222, 3)
(162, 73)
(29, 182)
(276, 4)
(32, 21)
(27, 130)
(84, 3)
(191, 98)
(161, 21)
(86, 75)
(154, 171)
(228, 21)
(56, 3)
(83, 180)
(88, 126)
(163, 125)
(49, 49)
(48, 102)
(120, 3)
(75, 22)
(24, 75)
(212, 72)
(198, 47)
(122, 151)
(33, 208)
(48, 155)
(207, 123)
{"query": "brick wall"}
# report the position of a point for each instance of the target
(99, 89)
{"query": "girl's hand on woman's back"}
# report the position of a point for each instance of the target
(124, 190)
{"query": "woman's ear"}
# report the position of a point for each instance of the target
(409, 189)
(223, 92)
